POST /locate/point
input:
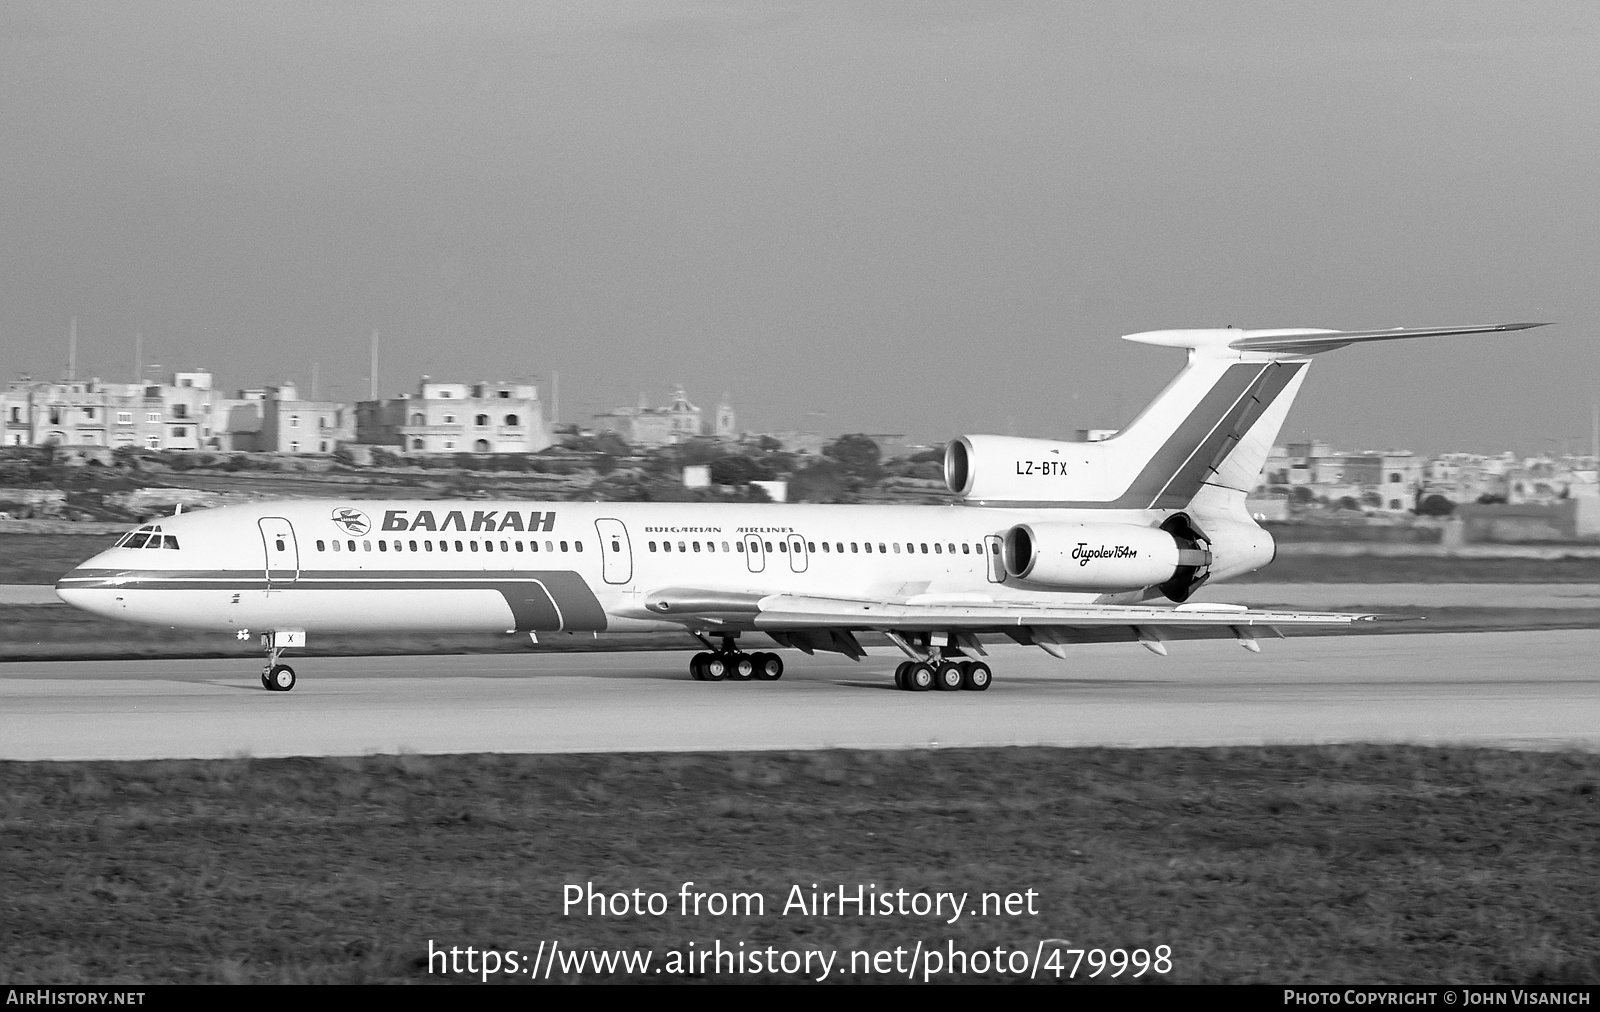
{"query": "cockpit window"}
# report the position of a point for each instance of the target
(148, 536)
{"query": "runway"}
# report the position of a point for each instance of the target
(1516, 689)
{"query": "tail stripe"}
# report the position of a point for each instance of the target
(1210, 453)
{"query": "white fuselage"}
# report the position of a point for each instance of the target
(502, 566)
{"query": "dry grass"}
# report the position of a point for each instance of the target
(1332, 864)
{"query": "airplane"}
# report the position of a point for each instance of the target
(1051, 543)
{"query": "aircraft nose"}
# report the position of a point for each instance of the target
(70, 588)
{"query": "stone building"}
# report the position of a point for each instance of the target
(680, 420)
(457, 418)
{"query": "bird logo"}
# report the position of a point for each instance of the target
(353, 521)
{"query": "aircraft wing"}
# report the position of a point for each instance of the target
(826, 623)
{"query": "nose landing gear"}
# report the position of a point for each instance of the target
(277, 677)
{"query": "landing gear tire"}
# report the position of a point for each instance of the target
(264, 683)
(280, 678)
(710, 667)
(697, 667)
(947, 677)
(744, 668)
(769, 667)
(900, 674)
(715, 667)
(975, 676)
(919, 677)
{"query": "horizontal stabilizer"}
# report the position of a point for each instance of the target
(1303, 341)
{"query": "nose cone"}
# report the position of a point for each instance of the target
(86, 586)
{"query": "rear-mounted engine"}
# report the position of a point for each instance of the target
(1110, 557)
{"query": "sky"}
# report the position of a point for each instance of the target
(928, 218)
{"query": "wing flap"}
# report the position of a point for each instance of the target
(795, 612)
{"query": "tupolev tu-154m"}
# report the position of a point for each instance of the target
(1050, 543)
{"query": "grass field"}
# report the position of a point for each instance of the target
(1331, 864)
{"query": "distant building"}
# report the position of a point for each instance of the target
(1392, 476)
(292, 425)
(679, 421)
(151, 416)
(457, 418)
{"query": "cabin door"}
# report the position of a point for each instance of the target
(615, 550)
(754, 555)
(281, 553)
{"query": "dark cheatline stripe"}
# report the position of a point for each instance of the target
(540, 600)
(1214, 449)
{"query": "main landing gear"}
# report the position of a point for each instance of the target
(733, 665)
(943, 674)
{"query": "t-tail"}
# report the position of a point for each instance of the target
(1188, 460)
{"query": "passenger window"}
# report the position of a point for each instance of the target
(322, 546)
(366, 546)
(882, 550)
(738, 546)
(697, 546)
(351, 544)
(938, 549)
(533, 546)
(868, 547)
(616, 546)
(783, 546)
(577, 546)
(413, 546)
(924, 548)
(768, 545)
(503, 547)
(711, 546)
(383, 546)
(518, 544)
(563, 546)
(811, 546)
(488, 546)
(824, 546)
(336, 546)
(724, 546)
(839, 547)
(966, 549)
(444, 546)
(852, 548)
(652, 546)
(681, 547)
(427, 546)
(897, 548)
(549, 546)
